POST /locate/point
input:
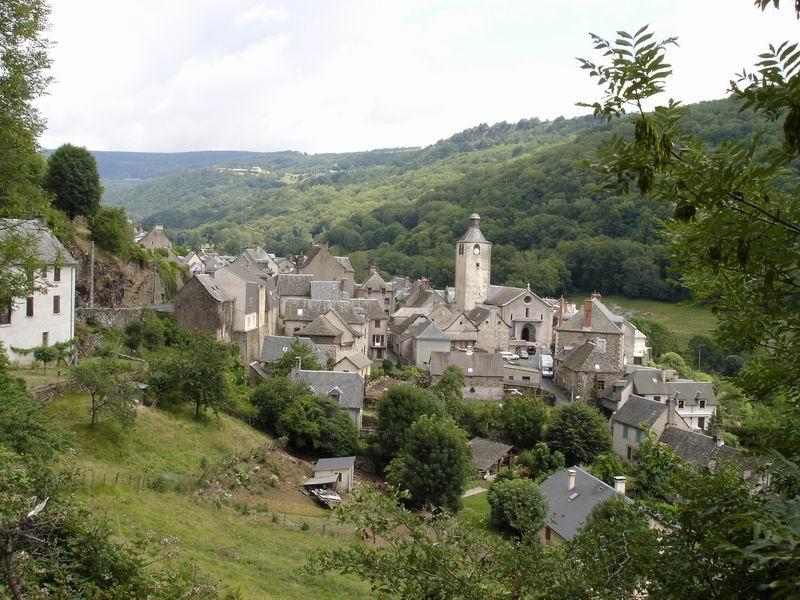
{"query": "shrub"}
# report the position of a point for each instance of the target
(517, 506)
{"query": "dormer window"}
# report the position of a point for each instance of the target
(702, 403)
(680, 403)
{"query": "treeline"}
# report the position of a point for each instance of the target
(552, 225)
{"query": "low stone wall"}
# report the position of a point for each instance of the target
(117, 318)
(51, 391)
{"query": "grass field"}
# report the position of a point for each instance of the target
(475, 512)
(37, 377)
(243, 549)
(685, 320)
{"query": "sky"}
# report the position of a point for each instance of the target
(347, 75)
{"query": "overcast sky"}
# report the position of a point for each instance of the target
(333, 76)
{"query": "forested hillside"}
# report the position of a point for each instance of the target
(403, 208)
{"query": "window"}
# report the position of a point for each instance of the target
(511, 378)
(377, 323)
(526, 378)
(527, 299)
(29, 307)
(625, 431)
(601, 345)
(461, 248)
(702, 403)
(630, 453)
(386, 302)
(701, 422)
(5, 314)
(638, 435)
(547, 533)
(680, 403)
(601, 384)
(477, 265)
(56, 305)
(472, 390)
(657, 398)
(45, 338)
(527, 312)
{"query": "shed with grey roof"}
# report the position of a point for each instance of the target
(572, 494)
(489, 456)
(341, 469)
(483, 373)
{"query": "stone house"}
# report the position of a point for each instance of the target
(340, 470)
(416, 339)
(571, 495)
(587, 370)
(483, 373)
(202, 305)
(324, 266)
(694, 401)
(420, 295)
(260, 258)
(156, 238)
(376, 288)
(705, 452)
(347, 389)
(494, 333)
(354, 363)
(632, 422)
(251, 311)
(48, 317)
(377, 326)
(460, 330)
(274, 347)
(595, 323)
(337, 326)
(521, 374)
(636, 350)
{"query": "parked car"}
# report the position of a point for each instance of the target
(546, 364)
(513, 392)
(509, 356)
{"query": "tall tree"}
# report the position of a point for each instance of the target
(580, 433)
(433, 464)
(399, 407)
(73, 179)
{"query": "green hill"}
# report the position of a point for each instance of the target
(210, 486)
(542, 207)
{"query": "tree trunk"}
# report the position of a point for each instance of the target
(13, 584)
(197, 406)
(94, 413)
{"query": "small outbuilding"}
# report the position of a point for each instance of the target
(488, 456)
(337, 472)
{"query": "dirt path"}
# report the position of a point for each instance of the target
(474, 492)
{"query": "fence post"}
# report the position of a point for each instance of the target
(116, 479)
(284, 519)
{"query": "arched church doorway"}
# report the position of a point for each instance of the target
(527, 334)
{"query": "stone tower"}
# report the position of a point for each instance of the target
(473, 266)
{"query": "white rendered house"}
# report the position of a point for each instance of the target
(46, 317)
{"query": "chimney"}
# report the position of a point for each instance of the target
(562, 308)
(619, 484)
(424, 282)
(298, 365)
(571, 480)
(596, 296)
(373, 268)
(587, 314)
(719, 440)
(671, 413)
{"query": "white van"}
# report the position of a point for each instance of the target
(509, 356)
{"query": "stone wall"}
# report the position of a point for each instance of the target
(118, 318)
(614, 347)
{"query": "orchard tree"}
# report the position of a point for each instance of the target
(433, 463)
(96, 377)
(580, 433)
(73, 179)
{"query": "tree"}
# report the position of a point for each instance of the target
(657, 469)
(297, 350)
(433, 463)
(540, 462)
(398, 409)
(674, 361)
(97, 378)
(517, 506)
(660, 338)
(24, 64)
(523, 419)
(579, 432)
(338, 435)
(736, 221)
(45, 354)
(272, 396)
(705, 352)
(73, 179)
(607, 466)
(110, 229)
(450, 387)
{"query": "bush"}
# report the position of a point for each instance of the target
(517, 506)
(540, 462)
(523, 420)
(110, 230)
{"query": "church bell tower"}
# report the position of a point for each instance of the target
(473, 266)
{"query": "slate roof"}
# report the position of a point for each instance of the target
(311, 309)
(486, 453)
(688, 391)
(431, 332)
(638, 410)
(603, 320)
(243, 273)
(211, 287)
(49, 249)
(450, 321)
(350, 385)
(421, 329)
(358, 359)
(327, 290)
(500, 295)
(584, 358)
(320, 327)
(372, 308)
(376, 282)
(644, 384)
(698, 449)
(565, 516)
(275, 346)
(481, 363)
(474, 233)
(479, 314)
(213, 262)
(345, 262)
(404, 325)
(292, 284)
(338, 463)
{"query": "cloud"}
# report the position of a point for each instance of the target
(353, 75)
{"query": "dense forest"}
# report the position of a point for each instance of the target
(552, 224)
